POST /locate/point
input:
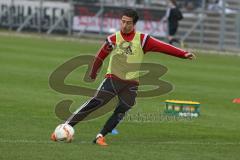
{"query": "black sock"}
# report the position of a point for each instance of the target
(111, 123)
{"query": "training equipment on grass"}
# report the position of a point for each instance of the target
(236, 100)
(182, 108)
(64, 132)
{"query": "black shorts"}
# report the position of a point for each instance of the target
(125, 91)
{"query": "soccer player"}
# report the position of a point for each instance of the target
(125, 47)
(173, 15)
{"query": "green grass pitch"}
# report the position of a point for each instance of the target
(27, 107)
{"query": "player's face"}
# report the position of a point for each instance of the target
(127, 24)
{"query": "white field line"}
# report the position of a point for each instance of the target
(25, 141)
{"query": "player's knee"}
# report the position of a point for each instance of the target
(122, 109)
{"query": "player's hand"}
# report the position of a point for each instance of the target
(93, 76)
(90, 77)
(190, 56)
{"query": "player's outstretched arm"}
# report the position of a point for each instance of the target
(154, 45)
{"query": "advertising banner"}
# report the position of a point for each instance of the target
(85, 19)
(44, 14)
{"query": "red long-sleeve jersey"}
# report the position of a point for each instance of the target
(149, 44)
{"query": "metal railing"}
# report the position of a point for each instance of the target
(218, 29)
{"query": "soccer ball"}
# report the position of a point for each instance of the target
(64, 132)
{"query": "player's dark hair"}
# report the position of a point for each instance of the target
(131, 13)
(174, 2)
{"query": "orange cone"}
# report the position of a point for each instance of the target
(236, 100)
